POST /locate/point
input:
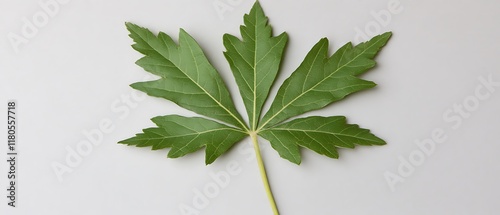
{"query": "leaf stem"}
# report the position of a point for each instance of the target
(263, 173)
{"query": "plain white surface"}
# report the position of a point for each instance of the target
(68, 77)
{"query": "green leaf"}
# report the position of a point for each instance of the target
(187, 78)
(255, 60)
(185, 135)
(320, 81)
(320, 134)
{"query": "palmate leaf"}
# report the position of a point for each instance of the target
(187, 78)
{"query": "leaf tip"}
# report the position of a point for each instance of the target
(182, 31)
(379, 141)
(208, 161)
(126, 141)
(386, 36)
(294, 160)
(131, 26)
(171, 155)
(383, 37)
(157, 119)
(256, 5)
(283, 34)
(137, 86)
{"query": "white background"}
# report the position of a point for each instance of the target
(68, 77)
